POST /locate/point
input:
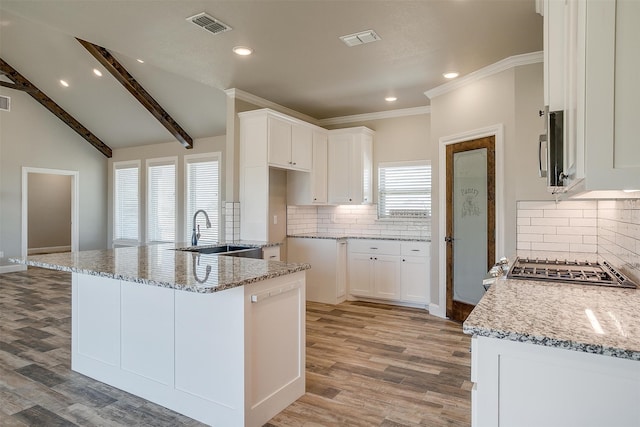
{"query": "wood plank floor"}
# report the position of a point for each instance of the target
(367, 365)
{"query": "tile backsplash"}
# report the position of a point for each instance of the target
(610, 228)
(352, 220)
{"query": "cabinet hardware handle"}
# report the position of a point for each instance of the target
(403, 260)
(373, 248)
(415, 250)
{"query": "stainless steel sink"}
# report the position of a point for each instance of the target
(228, 250)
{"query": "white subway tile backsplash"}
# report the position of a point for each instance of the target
(554, 247)
(562, 238)
(583, 222)
(562, 222)
(586, 231)
(563, 213)
(530, 213)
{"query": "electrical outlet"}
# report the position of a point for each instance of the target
(275, 219)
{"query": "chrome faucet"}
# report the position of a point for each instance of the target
(196, 235)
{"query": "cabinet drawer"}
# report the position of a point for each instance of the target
(387, 247)
(415, 249)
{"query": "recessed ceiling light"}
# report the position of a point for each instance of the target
(451, 75)
(64, 83)
(97, 72)
(391, 98)
(242, 50)
(140, 61)
(630, 191)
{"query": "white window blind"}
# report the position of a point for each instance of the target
(404, 190)
(126, 201)
(203, 192)
(161, 200)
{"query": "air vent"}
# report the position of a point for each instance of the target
(5, 103)
(360, 38)
(209, 23)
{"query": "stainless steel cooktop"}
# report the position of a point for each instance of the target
(582, 272)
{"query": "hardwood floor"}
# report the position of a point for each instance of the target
(367, 365)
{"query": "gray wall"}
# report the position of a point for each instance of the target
(49, 210)
(512, 98)
(33, 137)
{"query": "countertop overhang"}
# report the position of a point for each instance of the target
(162, 265)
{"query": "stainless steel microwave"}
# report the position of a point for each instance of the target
(551, 150)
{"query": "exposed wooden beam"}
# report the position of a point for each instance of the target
(129, 82)
(16, 87)
(22, 83)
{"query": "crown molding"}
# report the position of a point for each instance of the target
(404, 112)
(265, 103)
(505, 64)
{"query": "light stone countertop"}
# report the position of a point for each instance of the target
(592, 319)
(339, 236)
(161, 265)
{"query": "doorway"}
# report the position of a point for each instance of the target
(471, 216)
(470, 230)
(49, 210)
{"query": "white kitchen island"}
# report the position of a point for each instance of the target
(220, 339)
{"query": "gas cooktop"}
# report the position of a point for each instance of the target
(582, 272)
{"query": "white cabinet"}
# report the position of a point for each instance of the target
(415, 272)
(514, 380)
(289, 142)
(311, 188)
(591, 62)
(350, 166)
(326, 280)
(374, 269)
(271, 253)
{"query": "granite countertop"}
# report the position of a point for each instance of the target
(339, 236)
(592, 319)
(161, 265)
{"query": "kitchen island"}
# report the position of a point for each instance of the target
(218, 338)
(555, 354)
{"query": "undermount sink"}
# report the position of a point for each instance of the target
(230, 250)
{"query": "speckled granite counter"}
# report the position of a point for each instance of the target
(160, 265)
(584, 318)
(351, 236)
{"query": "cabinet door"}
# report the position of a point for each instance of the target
(301, 147)
(386, 276)
(360, 274)
(279, 142)
(415, 279)
(319, 170)
(340, 168)
(341, 270)
(554, 53)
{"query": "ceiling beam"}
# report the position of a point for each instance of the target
(16, 87)
(21, 83)
(129, 82)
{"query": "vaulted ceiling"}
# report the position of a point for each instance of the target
(298, 61)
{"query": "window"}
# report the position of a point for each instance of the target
(161, 200)
(202, 191)
(126, 201)
(404, 190)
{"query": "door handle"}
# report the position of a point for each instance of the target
(448, 239)
(542, 158)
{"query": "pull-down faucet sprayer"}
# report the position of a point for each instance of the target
(196, 235)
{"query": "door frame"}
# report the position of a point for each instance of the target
(75, 187)
(497, 131)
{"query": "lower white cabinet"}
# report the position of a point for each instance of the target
(389, 270)
(526, 385)
(327, 278)
(271, 253)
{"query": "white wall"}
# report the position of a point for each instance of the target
(168, 149)
(511, 98)
(33, 137)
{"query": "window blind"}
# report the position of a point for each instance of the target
(203, 192)
(404, 190)
(126, 202)
(161, 201)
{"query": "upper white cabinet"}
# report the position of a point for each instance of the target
(350, 166)
(289, 142)
(311, 188)
(591, 63)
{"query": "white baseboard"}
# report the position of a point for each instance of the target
(12, 268)
(48, 250)
(438, 311)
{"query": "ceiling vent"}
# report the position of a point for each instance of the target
(209, 23)
(5, 103)
(360, 38)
